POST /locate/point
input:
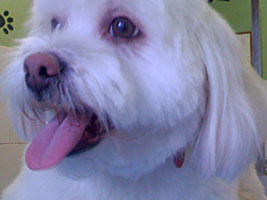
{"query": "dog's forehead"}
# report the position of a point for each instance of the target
(98, 6)
(92, 15)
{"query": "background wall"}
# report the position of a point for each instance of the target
(13, 13)
(238, 14)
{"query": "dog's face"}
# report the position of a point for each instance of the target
(132, 75)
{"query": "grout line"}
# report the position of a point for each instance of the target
(13, 143)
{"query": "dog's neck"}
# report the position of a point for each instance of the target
(166, 180)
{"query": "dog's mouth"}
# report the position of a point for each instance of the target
(91, 137)
(64, 136)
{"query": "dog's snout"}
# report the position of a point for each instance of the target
(40, 69)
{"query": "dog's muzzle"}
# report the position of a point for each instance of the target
(61, 137)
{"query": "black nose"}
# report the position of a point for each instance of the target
(40, 70)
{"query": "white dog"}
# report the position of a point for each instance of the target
(142, 99)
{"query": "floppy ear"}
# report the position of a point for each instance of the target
(235, 118)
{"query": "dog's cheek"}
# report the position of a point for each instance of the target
(167, 88)
(18, 99)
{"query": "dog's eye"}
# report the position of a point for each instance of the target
(55, 24)
(122, 27)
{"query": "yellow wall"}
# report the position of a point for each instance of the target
(17, 10)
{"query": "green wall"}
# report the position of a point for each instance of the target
(17, 15)
(238, 14)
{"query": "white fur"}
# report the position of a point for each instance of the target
(185, 85)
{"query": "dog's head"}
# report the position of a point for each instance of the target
(125, 85)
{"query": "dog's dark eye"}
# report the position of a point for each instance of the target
(122, 27)
(55, 24)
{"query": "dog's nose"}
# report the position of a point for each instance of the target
(40, 69)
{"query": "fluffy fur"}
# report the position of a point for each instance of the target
(183, 85)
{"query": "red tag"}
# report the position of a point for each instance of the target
(179, 159)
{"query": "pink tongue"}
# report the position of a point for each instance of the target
(54, 142)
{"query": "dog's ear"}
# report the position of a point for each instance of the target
(235, 118)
